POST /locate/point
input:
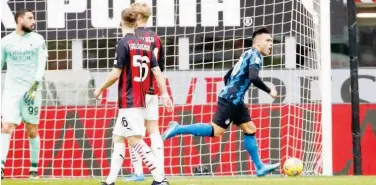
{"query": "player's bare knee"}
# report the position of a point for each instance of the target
(248, 128)
(218, 131)
(32, 130)
(7, 128)
(33, 133)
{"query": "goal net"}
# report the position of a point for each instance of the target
(202, 39)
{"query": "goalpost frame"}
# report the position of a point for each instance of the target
(326, 85)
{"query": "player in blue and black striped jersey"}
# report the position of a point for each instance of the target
(231, 107)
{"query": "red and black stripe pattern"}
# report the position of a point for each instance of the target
(134, 57)
(156, 43)
(146, 154)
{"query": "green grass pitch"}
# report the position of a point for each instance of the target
(336, 180)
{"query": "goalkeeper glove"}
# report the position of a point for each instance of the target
(30, 94)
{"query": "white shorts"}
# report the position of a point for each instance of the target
(131, 121)
(152, 107)
(15, 110)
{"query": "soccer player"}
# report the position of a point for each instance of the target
(133, 60)
(231, 108)
(26, 54)
(152, 106)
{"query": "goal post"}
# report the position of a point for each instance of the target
(326, 88)
(203, 39)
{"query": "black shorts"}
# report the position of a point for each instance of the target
(228, 112)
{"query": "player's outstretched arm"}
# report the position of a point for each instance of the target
(256, 80)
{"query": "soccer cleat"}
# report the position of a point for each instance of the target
(135, 178)
(34, 175)
(104, 183)
(170, 132)
(267, 168)
(2, 173)
(164, 182)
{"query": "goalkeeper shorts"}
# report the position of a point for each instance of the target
(14, 109)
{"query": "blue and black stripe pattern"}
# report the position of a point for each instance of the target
(237, 79)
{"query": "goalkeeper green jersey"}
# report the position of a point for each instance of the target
(25, 57)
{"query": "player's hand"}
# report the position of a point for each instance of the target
(167, 102)
(29, 96)
(273, 93)
(97, 93)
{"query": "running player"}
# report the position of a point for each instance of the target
(231, 108)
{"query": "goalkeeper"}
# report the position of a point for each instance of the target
(25, 53)
(231, 107)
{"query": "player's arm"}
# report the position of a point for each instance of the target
(159, 77)
(111, 78)
(3, 55)
(29, 96)
(161, 82)
(160, 54)
(227, 75)
(120, 62)
(254, 77)
(42, 61)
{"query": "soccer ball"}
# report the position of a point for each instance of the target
(293, 167)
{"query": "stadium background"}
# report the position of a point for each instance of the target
(98, 52)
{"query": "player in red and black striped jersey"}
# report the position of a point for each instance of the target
(134, 62)
(152, 112)
(151, 37)
(134, 57)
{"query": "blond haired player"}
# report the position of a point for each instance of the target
(25, 53)
(152, 107)
(133, 55)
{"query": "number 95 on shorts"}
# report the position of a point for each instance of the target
(15, 110)
(130, 122)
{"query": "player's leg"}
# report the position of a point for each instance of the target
(6, 133)
(138, 174)
(151, 123)
(11, 118)
(156, 143)
(147, 156)
(133, 121)
(34, 144)
(152, 127)
(117, 158)
(30, 115)
(219, 125)
(243, 120)
(118, 153)
(156, 147)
